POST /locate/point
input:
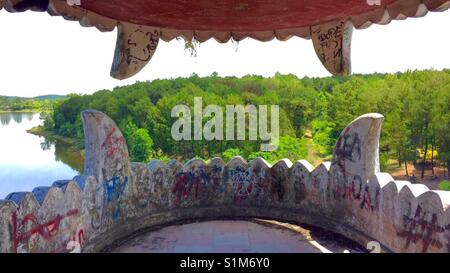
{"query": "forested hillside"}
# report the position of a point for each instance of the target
(40, 103)
(416, 106)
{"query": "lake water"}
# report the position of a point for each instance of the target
(27, 160)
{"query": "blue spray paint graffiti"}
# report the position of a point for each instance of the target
(113, 190)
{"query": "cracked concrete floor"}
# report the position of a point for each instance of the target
(254, 236)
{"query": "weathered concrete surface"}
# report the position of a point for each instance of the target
(115, 198)
(234, 237)
(134, 48)
(332, 43)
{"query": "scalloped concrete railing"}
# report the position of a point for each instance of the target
(115, 198)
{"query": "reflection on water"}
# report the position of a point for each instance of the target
(28, 161)
(6, 118)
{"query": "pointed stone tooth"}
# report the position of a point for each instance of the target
(356, 151)
(332, 43)
(134, 48)
(107, 155)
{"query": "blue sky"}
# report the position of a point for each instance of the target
(49, 55)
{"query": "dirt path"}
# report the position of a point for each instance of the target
(430, 180)
(312, 157)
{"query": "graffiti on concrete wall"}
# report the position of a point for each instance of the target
(136, 51)
(159, 188)
(278, 183)
(113, 142)
(113, 192)
(188, 183)
(349, 147)
(357, 205)
(358, 191)
(246, 183)
(215, 174)
(300, 187)
(332, 43)
(348, 186)
(76, 242)
(418, 228)
(79, 237)
(143, 187)
(47, 230)
(95, 212)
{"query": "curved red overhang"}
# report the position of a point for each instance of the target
(236, 15)
(142, 23)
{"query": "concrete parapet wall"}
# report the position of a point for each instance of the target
(115, 198)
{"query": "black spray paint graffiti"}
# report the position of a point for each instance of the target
(300, 186)
(330, 49)
(419, 229)
(216, 177)
(246, 183)
(148, 50)
(350, 149)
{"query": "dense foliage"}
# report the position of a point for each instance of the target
(41, 103)
(415, 105)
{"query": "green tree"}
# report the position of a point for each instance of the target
(139, 143)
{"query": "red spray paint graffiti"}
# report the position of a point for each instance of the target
(353, 192)
(79, 237)
(187, 182)
(46, 230)
(113, 143)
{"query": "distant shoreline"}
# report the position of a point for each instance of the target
(41, 131)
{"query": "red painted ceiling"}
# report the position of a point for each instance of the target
(229, 15)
